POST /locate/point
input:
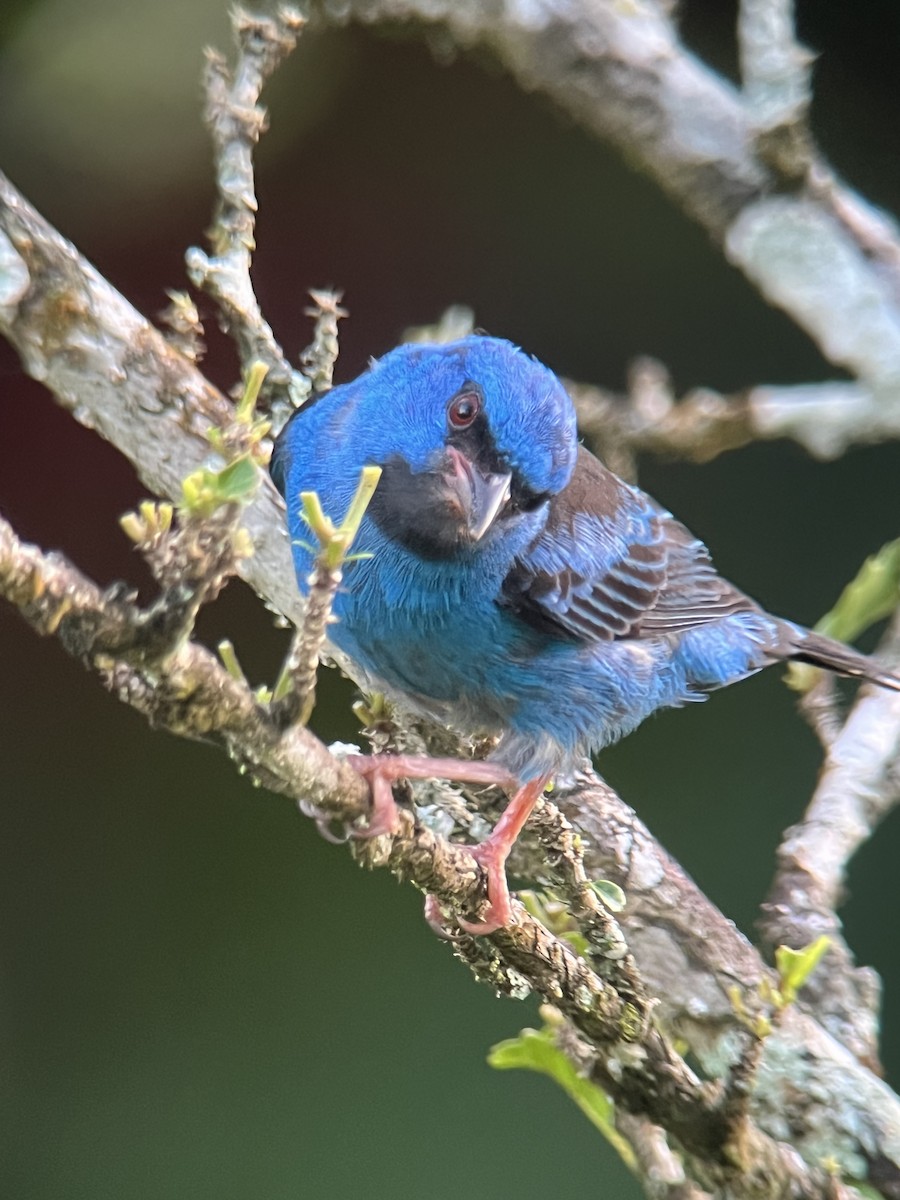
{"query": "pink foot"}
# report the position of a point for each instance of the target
(382, 770)
(491, 855)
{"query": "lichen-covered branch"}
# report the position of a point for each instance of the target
(192, 695)
(690, 959)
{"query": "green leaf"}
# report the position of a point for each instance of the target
(238, 479)
(535, 1050)
(795, 966)
(870, 597)
(577, 941)
(610, 893)
(203, 491)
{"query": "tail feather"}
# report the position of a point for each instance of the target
(802, 645)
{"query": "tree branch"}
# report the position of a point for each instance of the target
(806, 241)
(118, 375)
(192, 695)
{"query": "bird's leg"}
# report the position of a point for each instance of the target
(493, 852)
(382, 770)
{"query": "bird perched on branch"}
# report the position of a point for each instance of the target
(512, 585)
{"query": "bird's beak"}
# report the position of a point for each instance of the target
(489, 495)
(481, 496)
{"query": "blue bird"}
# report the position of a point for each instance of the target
(515, 587)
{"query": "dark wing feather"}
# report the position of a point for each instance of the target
(611, 564)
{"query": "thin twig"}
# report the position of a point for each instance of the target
(775, 67)
(295, 692)
(185, 330)
(608, 949)
(236, 120)
(661, 1170)
(859, 786)
(321, 354)
(825, 418)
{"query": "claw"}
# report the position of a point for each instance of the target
(491, 855)
(491, 858)
(384, 817)
(325, 826)
(437, 921)
(324, 823)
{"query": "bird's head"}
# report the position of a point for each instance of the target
(470, 435)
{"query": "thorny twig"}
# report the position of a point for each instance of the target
(319, 357)
(295, 692)
(236, 120)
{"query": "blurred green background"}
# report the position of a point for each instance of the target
(200, 998)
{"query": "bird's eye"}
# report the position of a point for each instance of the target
(463, 410)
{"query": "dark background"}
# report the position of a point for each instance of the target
(199, 998)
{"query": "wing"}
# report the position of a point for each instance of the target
(610, 563)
